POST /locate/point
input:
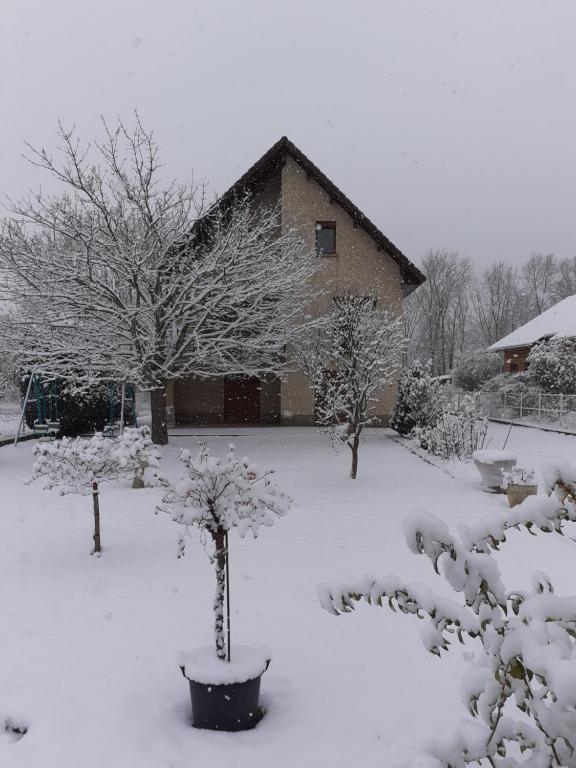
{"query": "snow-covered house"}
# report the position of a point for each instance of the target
(356, 256)
(557, 322)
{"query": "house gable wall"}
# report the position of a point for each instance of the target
(358, 266)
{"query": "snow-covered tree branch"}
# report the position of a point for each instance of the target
(125, 276)
(520, 689)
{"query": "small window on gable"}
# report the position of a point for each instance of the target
(326, 238)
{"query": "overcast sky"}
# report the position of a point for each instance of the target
(450, 123)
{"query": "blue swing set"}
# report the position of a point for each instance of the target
(127, 412)
(44, 396)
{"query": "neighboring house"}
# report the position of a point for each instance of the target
(557, 322)
(355, 256)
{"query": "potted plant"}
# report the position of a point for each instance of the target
(491, 464)
(216, 495)
(519, 484)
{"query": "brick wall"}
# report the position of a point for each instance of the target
(515, 359)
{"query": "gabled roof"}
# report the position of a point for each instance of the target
(272, 161)
(557, 322)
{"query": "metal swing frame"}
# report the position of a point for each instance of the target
(47, 428)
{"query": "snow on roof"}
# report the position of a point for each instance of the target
(559, 321)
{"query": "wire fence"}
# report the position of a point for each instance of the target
(535, 407)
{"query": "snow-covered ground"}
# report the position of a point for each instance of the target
(89, 646)
(10, 416)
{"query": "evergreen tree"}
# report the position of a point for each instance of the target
(419, 401)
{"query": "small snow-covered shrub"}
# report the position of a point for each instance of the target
(79, 465)
(476, 369)
(419, 400)
(509, 384)
(514, 390)
(460, 430)
(553, 366)
(520, 691)
(134, 450)
(518, 476)
(73, 465)
(216, 495)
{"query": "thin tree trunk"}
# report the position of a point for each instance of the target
(354, 448)
(228, 643)
(138, 480)
(158, 411)
(220, 564)
(96, 537)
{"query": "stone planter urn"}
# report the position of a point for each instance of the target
(491, 464)
(517, 492)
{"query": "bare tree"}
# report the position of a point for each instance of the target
(495, 299)
(357, 352)
(416, 339)
(565, 281)
(437, 313)
(111, 278)
(537, 285)
(456, 312)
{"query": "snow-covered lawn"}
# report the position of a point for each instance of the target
(89, 646)
(10, 415)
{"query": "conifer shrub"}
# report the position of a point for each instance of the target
(419, 400)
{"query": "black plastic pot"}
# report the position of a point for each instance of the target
(230, 707)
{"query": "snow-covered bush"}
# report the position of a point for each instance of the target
(134, 451)
(520, 691)
(459, 431)
(516, 388)
(419, 400)
(476, 369)
(509, 384)
(216, 495)
(79, 465)
(553, 366)
(518, 476)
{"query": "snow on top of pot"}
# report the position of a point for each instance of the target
(203, 665)
(491, 456)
